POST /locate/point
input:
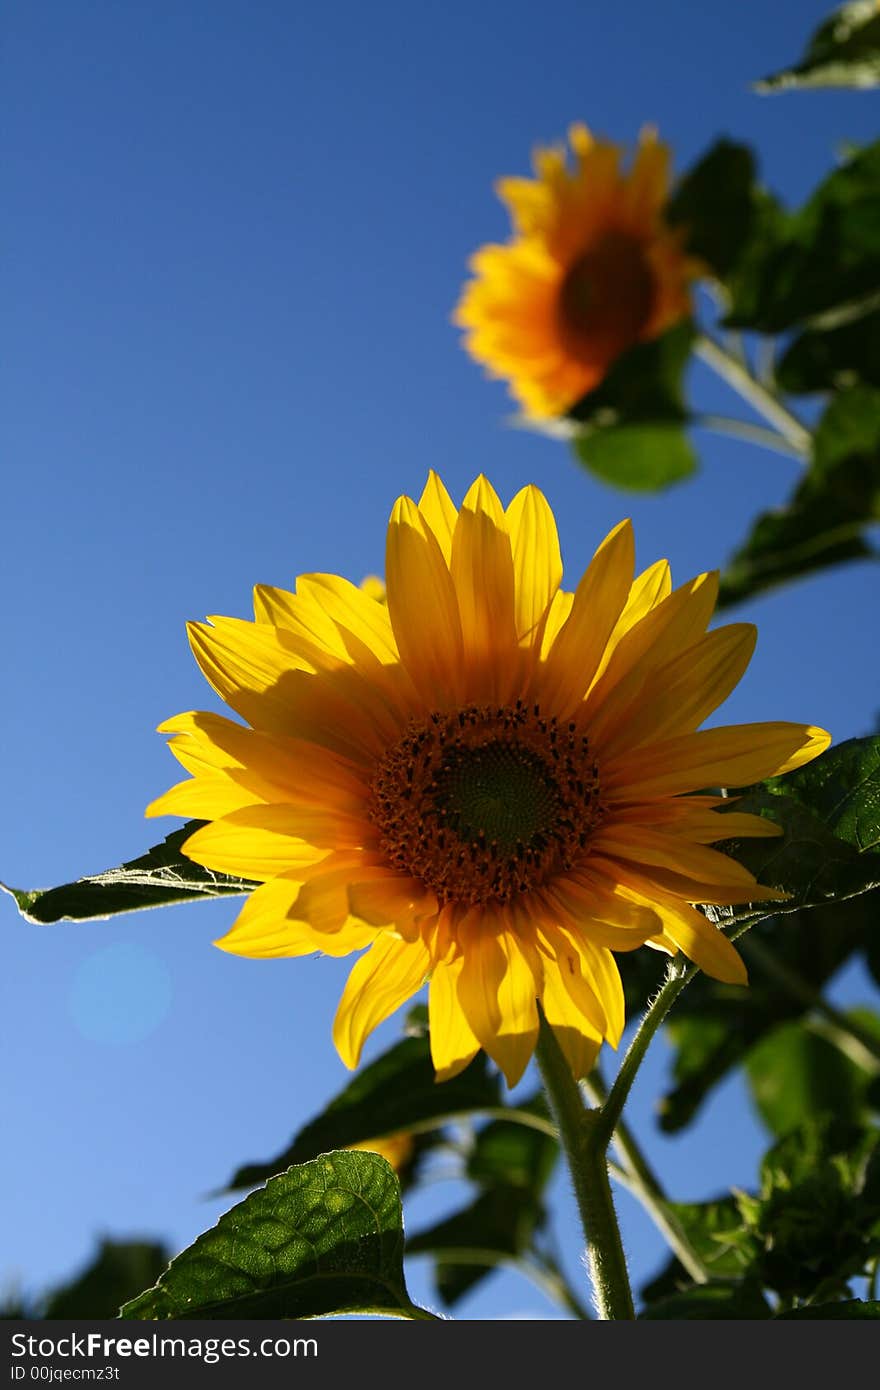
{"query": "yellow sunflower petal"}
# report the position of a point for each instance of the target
(202, 798)
(255, 842)
(653, 639)
(391, 972)
(680, 695)
(578, 1039)
(453, 1043)
(482, 570)
(266, 929)
(419, 583)
(440, 512)
(700, 941)
(537, 560)
(598, 603)
(734, 756)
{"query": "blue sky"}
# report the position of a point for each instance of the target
(235, 233)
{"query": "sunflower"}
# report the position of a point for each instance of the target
(486, 782)
(591, 270)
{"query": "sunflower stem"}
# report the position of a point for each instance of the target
(756, 393)
(677, 977)
(643, 1183)
(585, 1153)
(753, 434)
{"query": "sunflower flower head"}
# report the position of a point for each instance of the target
(590, 270)
(486, 782)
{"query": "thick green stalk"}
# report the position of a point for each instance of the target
(584, 1149)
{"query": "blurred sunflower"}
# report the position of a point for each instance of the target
(591, 270)
(486, 782)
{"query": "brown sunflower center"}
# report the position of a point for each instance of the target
(606, 298)
(487, 802)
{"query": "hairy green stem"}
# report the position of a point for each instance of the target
(584, 1148)
(638, 1175)
(677, 976)
(756, 393)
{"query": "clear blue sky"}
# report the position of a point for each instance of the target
(235, 232)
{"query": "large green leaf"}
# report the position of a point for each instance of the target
(642, 458)
(325, 1237)
(629, 430)
(716, 1234)
(163, 875)
(825, 521)
(820, 260)
(796, 1074)
(398, 1092)
(843, 52)
(718, 205)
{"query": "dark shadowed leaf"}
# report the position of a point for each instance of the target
(325, 1237)
(643, 386)
(629, 431)
(822, 260)
(744, 1301)
(395, 1093)
(843, 52)
(118, 1271)
(163, 875)
(716, 1234)
(848, 1309)
(816, 1219)
(825, 521)
(833, 359)
(718, 206)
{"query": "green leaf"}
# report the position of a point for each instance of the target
(795, 1074)
(325, 1237)
(825, 521)
(163, 875)
(744, 1301)
(642, 458)
(833, 359)
(716, 1234)
(843, 52)
(817, 1219)
(643, 385)
(842, 787)
(718, 206)
(395, 1093)
(849, 1308)
(628, 431)
(820, 261)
